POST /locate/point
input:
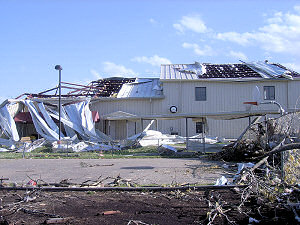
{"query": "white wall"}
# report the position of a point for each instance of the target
(221, 97)
(293, 96)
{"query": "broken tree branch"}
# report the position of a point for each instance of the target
(283, 148)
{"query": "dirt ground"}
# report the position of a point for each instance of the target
(176, 207)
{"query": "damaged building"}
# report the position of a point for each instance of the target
(188, 96)
(187, 100)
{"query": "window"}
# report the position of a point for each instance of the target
(199, 127)
(200, 93)
(269, 92)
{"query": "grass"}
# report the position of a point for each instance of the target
(47, 153)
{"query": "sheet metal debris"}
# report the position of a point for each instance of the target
(8, 124)
(166, 150)
(221, 181)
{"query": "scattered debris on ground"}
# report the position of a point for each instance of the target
(173, 207)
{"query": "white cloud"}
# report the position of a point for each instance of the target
(152, 21)
(112, 69)
(153, 60)
(242, 39)
(193, 23)
(178, 27)
(276, 18)
(281, 34)
(205, 51)
(238, 55)
(96, 74)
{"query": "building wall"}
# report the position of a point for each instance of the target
(293, 96)
(121, 129)
(222, 96)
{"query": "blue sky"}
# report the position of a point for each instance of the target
(98, 39)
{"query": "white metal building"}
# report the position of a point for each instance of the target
(198, 92)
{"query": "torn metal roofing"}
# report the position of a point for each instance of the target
(267, 70)
(293, 73)
(142, 88)
(254, 70)
(108, 87)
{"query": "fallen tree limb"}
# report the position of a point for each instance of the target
(261, 162)
(282, 149)
(264, 160)
(276, 148)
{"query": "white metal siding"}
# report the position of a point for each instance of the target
(293, 96)
(221, 97)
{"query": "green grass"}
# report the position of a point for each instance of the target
(179, 144)
(47, 153)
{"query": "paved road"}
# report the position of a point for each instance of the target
(141, 171)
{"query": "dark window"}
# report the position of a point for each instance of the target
(269, 93)
(199, 127)
(200, 93)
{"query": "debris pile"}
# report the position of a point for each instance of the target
(262, 138)
(166, 150)
(274, 181)
(77, 132)
(265, 184)
(151, 138)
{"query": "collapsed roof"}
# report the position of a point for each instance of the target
(116, 87)
(110, 86)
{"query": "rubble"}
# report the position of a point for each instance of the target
(166, 150)
(221, 181)
(261, 138)
(28, 147)
(4, 150)
(151, 138)
(272, 174)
